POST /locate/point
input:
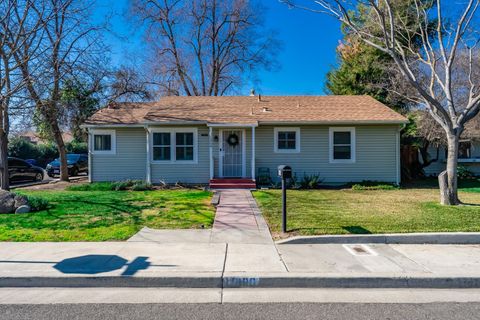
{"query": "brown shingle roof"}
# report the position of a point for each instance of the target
(249, 110)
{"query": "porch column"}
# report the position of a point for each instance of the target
(90, 144)
(210, 143)
(148, 167)
(253, 152)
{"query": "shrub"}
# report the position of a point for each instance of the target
(95, 186)
(310, 181)
(374, 185)
(122, 185)
(134, 185)
(464, 173)
(37, 203)
(76, 147)
(141, 186)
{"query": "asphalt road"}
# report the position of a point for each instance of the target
(450, 311)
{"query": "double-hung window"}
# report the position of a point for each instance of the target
(174, 145)
(342, 145)
(287, 140)
(103, 142)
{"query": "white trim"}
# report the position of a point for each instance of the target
(89, 156)
(173, 132)
(338, 122)
(276, 130)
(221, 152)
(398, 154)
(210, 152)
(112, 134)
(296, 123)
(253, 154)
(148, 173)
(232, 125)
(353, 140)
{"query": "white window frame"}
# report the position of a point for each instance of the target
(112, 134)
(173, 141)
(297, 139)
(353, 139)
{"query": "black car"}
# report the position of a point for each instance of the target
(76, 163)
(19, 170)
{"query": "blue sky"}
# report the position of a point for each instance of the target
(308, 52)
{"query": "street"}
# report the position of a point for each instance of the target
(173, 303)
(450, 311)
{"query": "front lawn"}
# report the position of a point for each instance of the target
(413, 209)
(107, 215)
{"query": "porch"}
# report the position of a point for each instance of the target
(232, 156)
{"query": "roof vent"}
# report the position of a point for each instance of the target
(265, 109)
(252, 93)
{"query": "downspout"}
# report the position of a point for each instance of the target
(398, 154)
(148, 169)
(89, 141)
(210, 150)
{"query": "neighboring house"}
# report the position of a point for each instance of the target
(34, 137)
(197, 139)
(432, 137)
(468, 156)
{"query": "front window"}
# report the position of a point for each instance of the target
(287, 140)
(342, 145)
(171, 145)
(161, 146)
(103, 142)
(184, 146)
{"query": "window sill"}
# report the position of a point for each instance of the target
(286, 151)
(173, 162)
(342, 161)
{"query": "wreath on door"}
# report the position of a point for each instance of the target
(232, 139)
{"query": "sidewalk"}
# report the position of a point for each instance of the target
(214, 265)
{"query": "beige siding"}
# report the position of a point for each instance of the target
(129, 162)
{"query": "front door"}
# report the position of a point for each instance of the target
(232, 153)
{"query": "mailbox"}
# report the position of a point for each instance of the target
(284, 172)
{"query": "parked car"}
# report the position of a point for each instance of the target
(19, 170)
(76, 163)
(33, 162)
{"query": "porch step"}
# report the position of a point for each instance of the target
(232, 184)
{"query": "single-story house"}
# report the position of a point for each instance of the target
(197, 140)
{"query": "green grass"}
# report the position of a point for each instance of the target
(412, 209)
(107, 215)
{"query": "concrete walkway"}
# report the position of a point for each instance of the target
(237, 221)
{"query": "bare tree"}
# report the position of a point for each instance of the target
(204, 47)
(128, 85)
(68, 40)
(431, 70)
(19, 23)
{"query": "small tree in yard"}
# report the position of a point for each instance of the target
(433, 61)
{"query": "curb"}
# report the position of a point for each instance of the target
(395, 238)
(111, 282)
(245, 281)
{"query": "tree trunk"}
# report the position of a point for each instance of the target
(447, 180)
(4, 179)
(61, 151)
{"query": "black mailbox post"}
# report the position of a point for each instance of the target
(284, 172)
